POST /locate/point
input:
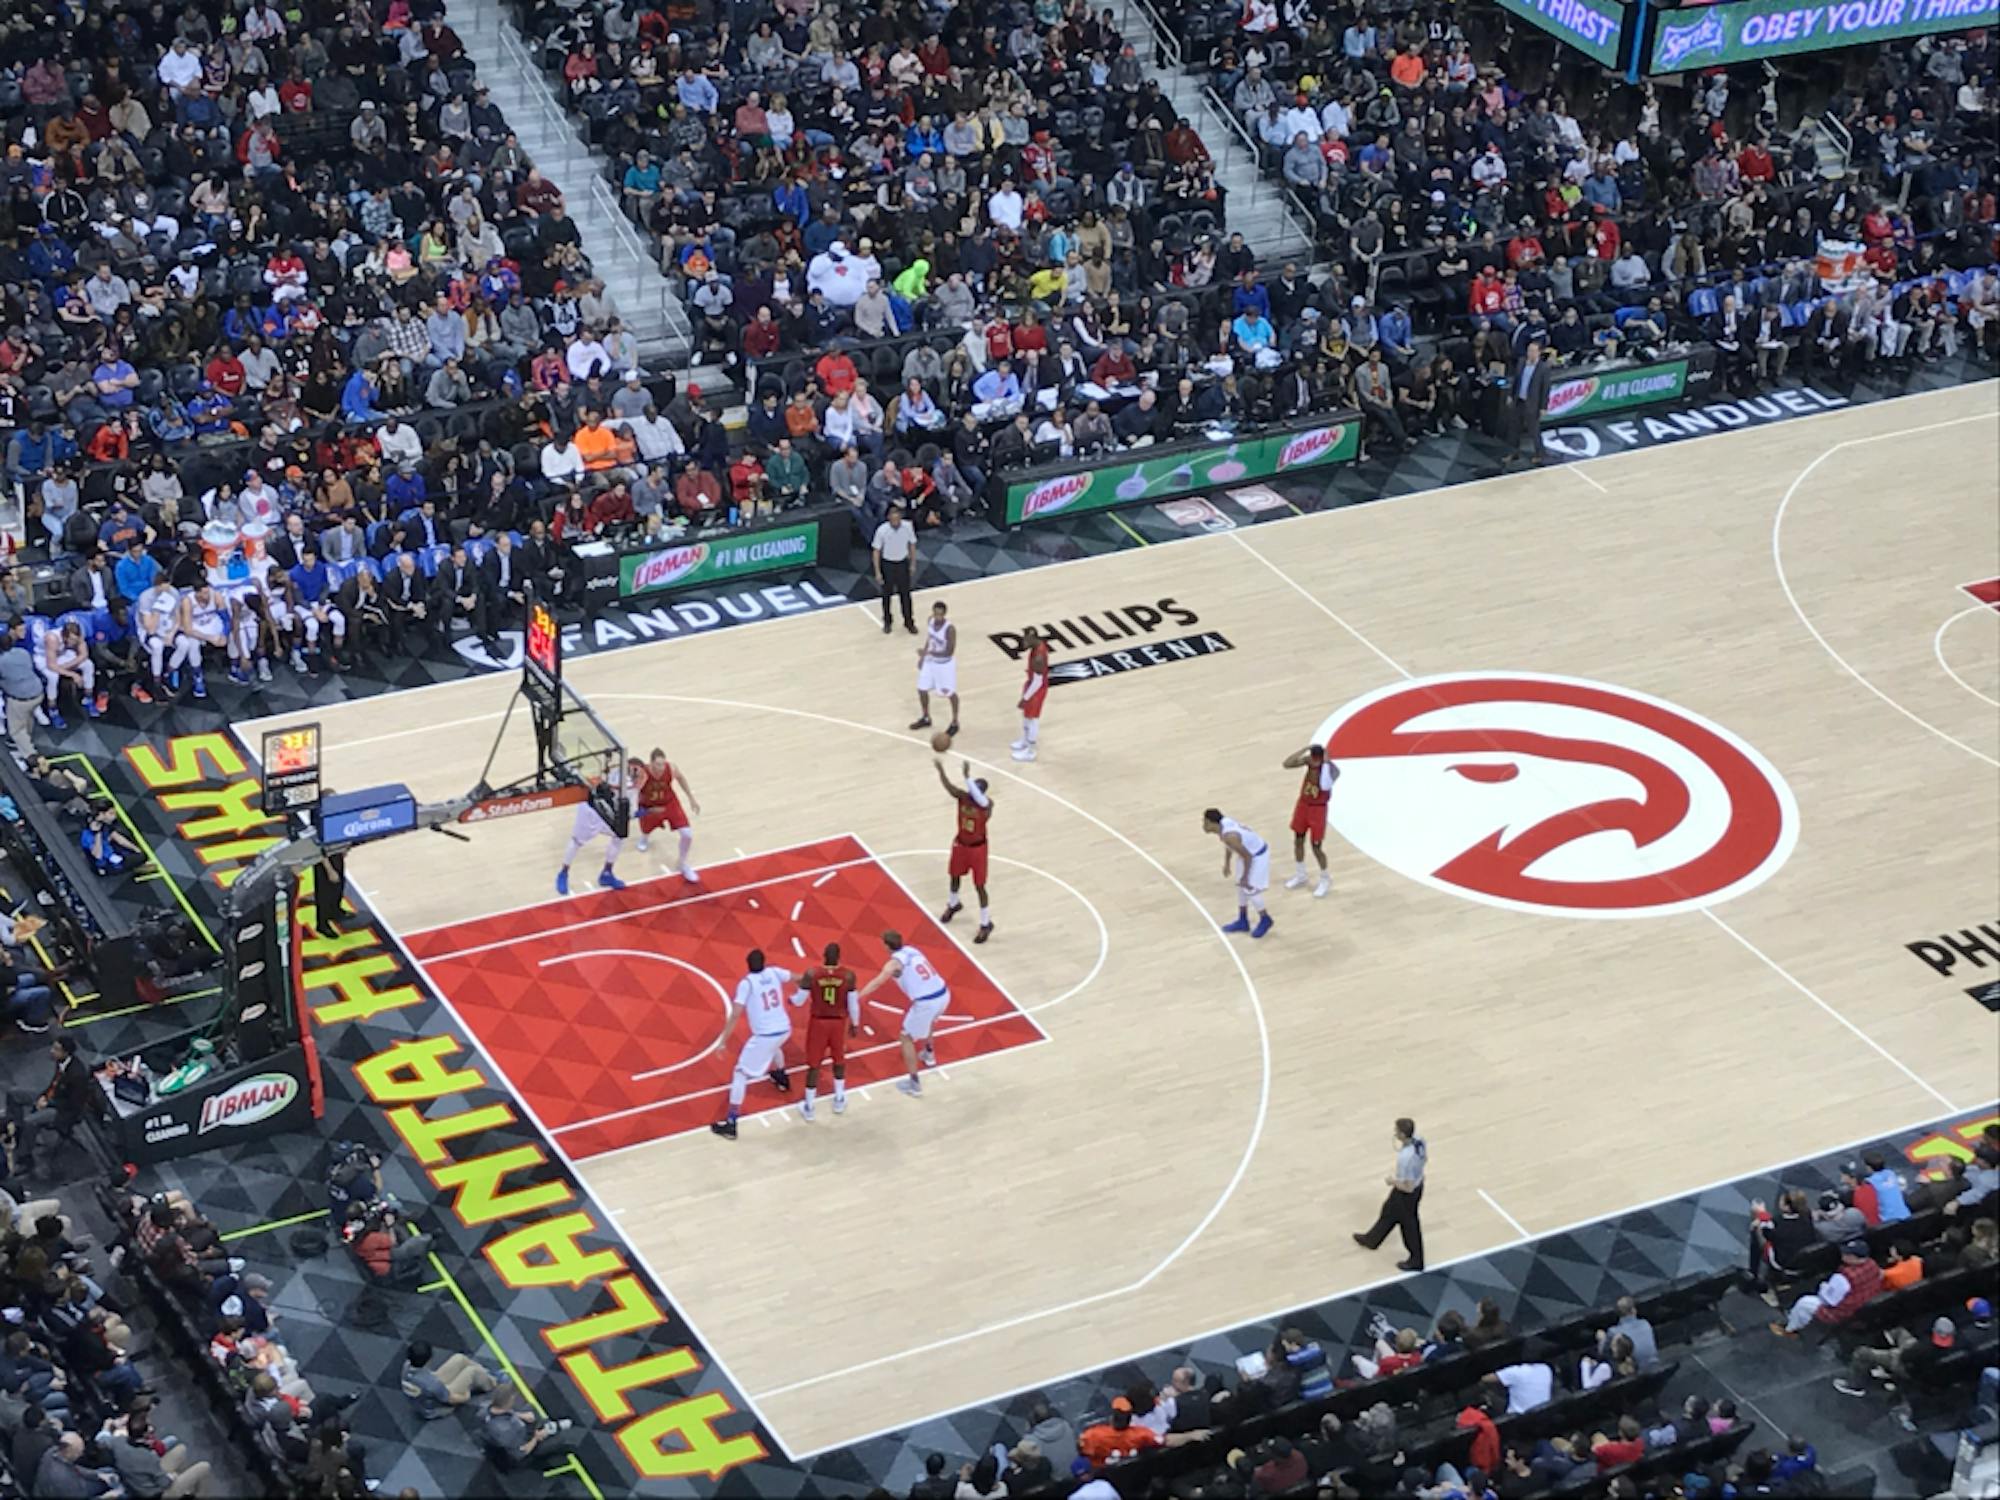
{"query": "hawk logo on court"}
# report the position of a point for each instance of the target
(1556, 795)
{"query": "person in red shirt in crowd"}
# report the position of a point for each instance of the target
(835, 372)
(1606, 238)
(1485, 1452)
(746, 483)
(111, 443)
(1488, 294)
(1031, 340)
(934, 56)
(611, 508)
(1114, 367)
(1858, 1190)
(285, 274)
(1115, 1441)
(1754, 164)
(1876, 226)
(762, 335)
(999, 336)
(536, 194)
(697, 493)
(1525, 248)
(296, 95)
(225, 371)
(1284, 1469)
(571, 522)
(1183, 145)
(1627, 1448)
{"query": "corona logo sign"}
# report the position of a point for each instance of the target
(249, 1101)
(1309, 447)
(1055, 495)
(667, 567)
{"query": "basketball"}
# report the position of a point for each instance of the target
(940, 742)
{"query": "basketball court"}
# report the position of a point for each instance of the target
(1652, 769)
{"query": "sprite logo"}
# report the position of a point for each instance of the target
(666, 567)
(1571, 393)
(1678, 43)
(1309, 447)
(1055, 495)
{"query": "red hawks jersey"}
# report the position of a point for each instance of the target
(827, 987)
(1317, 785)
(972, 819)
(657, 790)
(1038, 670)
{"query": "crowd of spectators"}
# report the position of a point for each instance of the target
(1387, 1446)
(76, 1388)
(289, 276)
(1611, 221)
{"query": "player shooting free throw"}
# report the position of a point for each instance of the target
(1250, 856)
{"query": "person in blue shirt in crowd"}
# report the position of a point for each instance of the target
(1253, 331)
(114, 645)
(1248, 293)
(642, 178)
(120, 525)
(318, 612)
(357, 397)
(1397, 336)
(998, 384)
(696, 92)
(135, 572)
(30, 453)
(791, 199)
(405, 489)
(210, 410)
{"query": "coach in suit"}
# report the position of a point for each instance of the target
(545, 562)
(460, 594)
(506, 581)
(1527, 393)
(406, 600)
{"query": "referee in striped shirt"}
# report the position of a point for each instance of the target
(1406, 1196)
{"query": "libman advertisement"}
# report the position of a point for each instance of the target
(1712, 36)
(691, 563)
(1590, 26)
(1614, 390)
(1180, 470)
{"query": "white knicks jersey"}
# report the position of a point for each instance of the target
(918, 980)
(1253, 843)
(762, 996)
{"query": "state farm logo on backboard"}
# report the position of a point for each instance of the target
(1556, 795)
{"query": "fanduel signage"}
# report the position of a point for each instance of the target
(629, 625)
(1693, 421)
(1712, 36)
(1590, 26)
